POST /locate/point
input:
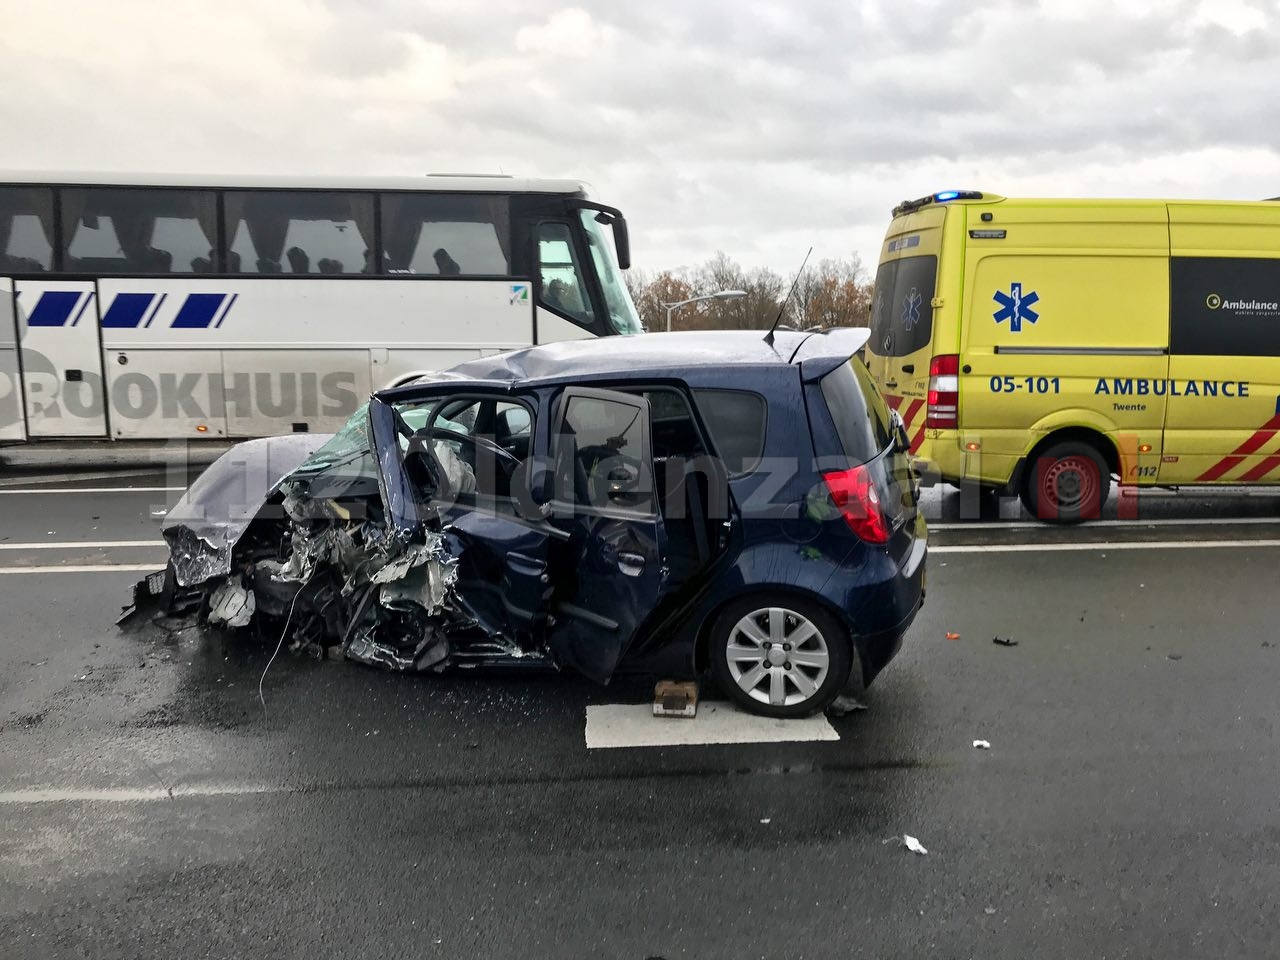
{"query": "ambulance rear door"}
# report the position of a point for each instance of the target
(902, 316)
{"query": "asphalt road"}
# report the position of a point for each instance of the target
(151, 806)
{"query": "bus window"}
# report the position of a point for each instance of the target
(26, 229)
(299, 232)
(562, 288)
(447, 234)
(138, 231)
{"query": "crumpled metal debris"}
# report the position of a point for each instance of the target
(208, 521)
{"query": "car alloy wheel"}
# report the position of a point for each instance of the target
(778, 657)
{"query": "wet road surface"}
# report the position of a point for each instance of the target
(150, 805)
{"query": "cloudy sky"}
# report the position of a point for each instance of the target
(758, 128)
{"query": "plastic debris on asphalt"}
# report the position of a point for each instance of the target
(908, 841)
(953, 636)
(1004, 641)
(982, 744)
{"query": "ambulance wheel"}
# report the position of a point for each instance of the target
(1066, 483)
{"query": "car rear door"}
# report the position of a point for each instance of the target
(611, 575)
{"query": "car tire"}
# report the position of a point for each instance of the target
(1066, 483)
(779, 655)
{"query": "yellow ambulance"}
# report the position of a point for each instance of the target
(1044, 347)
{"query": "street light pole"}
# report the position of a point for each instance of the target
(718, 295)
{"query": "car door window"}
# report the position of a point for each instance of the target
(602, 455)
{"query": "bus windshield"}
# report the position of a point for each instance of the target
(622, 312)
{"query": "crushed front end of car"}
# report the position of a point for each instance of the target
(289, 537)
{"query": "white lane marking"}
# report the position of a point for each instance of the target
(94, 490)
(128, 795)
(1134, 524)
(85, 544)
(46, 477)
(1101, 545)
(634, 725)
(87, 568)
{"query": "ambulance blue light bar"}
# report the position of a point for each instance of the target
(910, 206)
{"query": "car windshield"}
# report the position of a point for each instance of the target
(622, 312)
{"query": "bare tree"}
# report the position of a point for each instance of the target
(831, 293)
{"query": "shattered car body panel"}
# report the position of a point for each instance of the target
(566, 504)
(206, 523)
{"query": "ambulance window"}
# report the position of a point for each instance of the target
(1225, 306)
(902, 311)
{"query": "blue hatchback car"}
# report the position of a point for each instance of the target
(677, 504)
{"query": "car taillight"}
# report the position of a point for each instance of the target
(944, 392)
(854, 493)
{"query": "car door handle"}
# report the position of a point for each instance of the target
(891, 383)
(908, 368)
(630, 562)
(526, 565)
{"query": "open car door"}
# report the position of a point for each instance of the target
(584, 574)
(608, 578)
(500, 542)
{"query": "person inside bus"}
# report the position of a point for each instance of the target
(329, 265)
(447, 266)
(299, 262)
(564, 297)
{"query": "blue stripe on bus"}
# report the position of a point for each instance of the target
(127, 310)
(198, 311)
(53, 309)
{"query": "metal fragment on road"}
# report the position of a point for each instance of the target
(1004, 641)
(982, 744)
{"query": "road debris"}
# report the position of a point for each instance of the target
(953, 636)
(1004, 641)
(845, 704)
(908, 841)
(672, 698)
(982, 744)
(1174, 656)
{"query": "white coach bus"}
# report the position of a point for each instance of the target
(179, 307)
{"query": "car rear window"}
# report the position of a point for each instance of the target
(862, 419)
(902, 309)
(736, 419)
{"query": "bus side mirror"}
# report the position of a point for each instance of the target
(621, 241)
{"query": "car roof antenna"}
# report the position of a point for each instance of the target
(768, 337)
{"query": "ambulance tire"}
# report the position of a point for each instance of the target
(1066, 483)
